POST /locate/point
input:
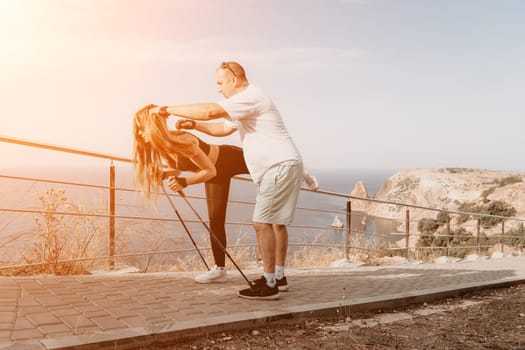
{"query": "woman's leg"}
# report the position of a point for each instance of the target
(229, 163)
(217, 201)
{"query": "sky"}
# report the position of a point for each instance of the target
(361, 84)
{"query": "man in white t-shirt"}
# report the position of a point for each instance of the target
(272, 159)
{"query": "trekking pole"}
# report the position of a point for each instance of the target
(219, 243)
(184, 225)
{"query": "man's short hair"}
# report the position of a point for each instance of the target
(235, 68)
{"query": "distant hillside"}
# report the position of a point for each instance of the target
(449, 188)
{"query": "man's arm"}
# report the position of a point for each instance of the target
(214, 129)
(196, 111)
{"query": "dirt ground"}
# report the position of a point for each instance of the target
(490, 319)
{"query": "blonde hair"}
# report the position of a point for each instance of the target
(152, 144)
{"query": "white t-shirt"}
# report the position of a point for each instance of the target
(265, 140)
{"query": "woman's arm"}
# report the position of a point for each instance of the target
(207, 171)
(170, 172)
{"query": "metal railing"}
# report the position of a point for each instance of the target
(356, 236)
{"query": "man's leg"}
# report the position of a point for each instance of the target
(266, 238)
(281, 244)
(281, 251)
(265, 287)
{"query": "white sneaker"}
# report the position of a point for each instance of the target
(215, 275)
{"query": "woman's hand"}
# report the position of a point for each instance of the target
(177, 184)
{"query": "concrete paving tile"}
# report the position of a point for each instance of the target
(147, 313)
(9, 290)
(26, 334)
(43, 318)
(65, 311)
(120, 312)
(38, 293)
(7, 316)
(9, 307)
(108, 322)
(6, 325)
(103, 303)
(27, 301)
(31, 310)
(8, 299)
(5, 336)
(87, 307)
(145, 299)
(96, 313)
(74, 299)
(136, 321)
(77, 321)
(160, 321)
(23, 323)
(159, 306)
(118, 298)
(86, 330)
(64, 291)
(55, 329)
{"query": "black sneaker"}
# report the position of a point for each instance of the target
(260, 290)
(282, 284)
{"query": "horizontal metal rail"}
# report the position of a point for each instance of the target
(65, 213)
(62, 149)
(398, 221)
(124, 189)
(334, 194)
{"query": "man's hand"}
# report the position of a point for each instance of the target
(163, 112)
(160, 111)
(185, 124)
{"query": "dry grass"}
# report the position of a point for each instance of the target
(62, 237)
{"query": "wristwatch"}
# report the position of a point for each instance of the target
(163, 111)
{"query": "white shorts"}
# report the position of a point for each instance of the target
(278, 193)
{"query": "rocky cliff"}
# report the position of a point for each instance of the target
(360, 190)
(447, 188)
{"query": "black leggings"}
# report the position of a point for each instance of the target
(229, 163)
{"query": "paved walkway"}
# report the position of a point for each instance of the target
(117, 311)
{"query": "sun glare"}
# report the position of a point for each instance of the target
(9, 11)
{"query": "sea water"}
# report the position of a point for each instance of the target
(314, 215)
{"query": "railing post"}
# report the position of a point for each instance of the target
(112, 215)
(522, 236)
(407, 233)
(502, 234)
(448, 234)
(348, 228)
(477, 236)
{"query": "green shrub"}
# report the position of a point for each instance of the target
(498, 208)
(427, 225)
(442, 218)
(509, 180)
(487, 193)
